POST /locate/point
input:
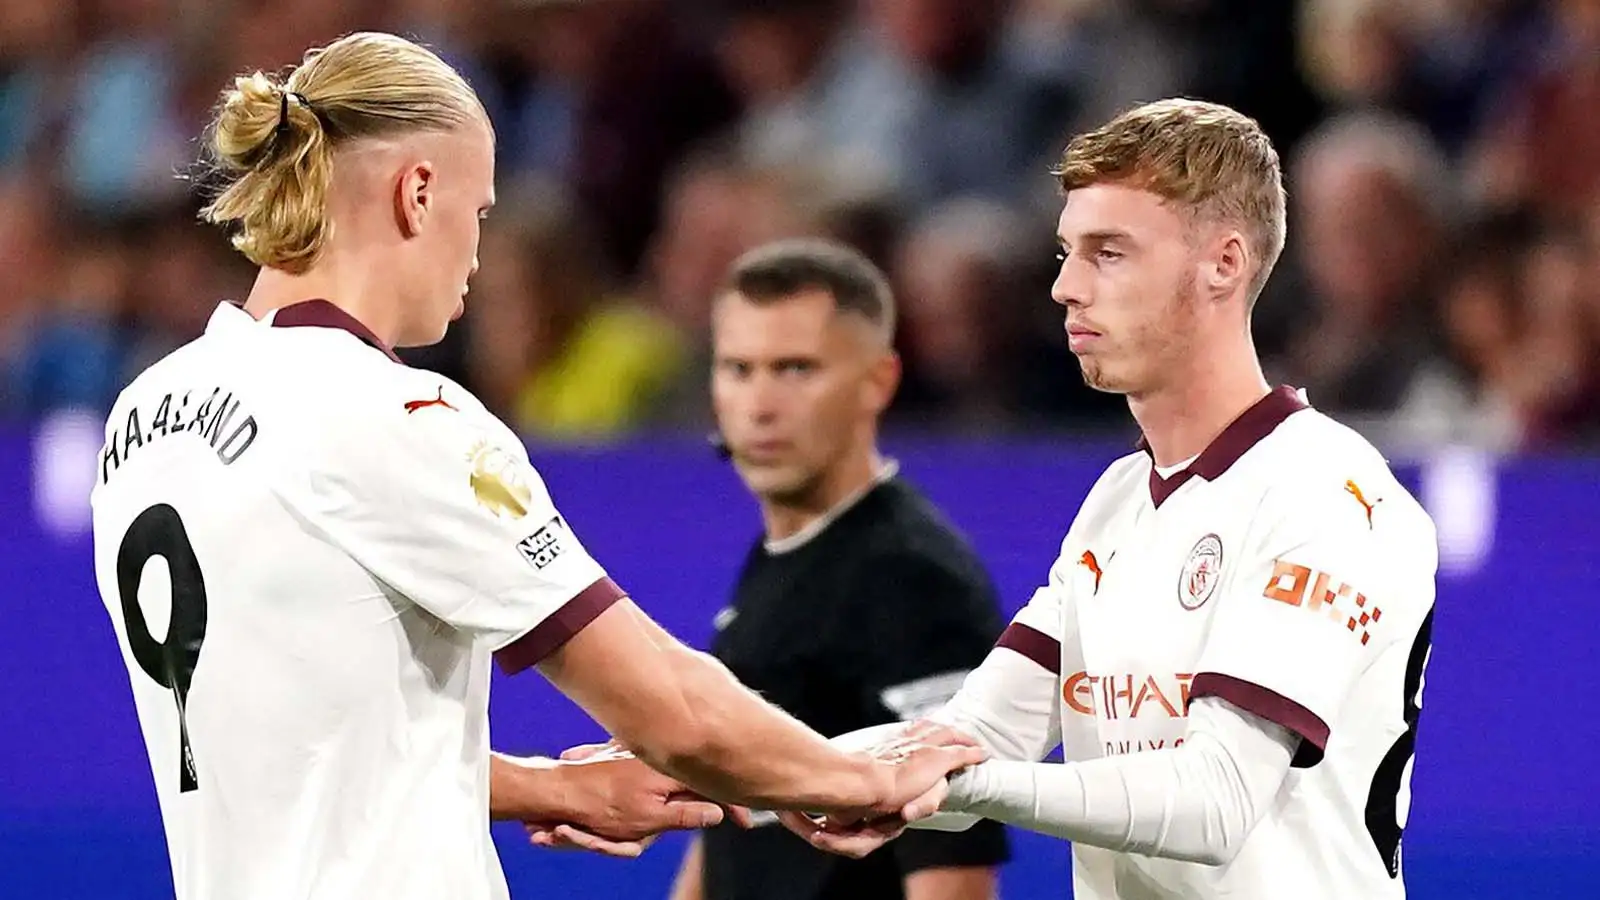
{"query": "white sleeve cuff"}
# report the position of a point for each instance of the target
(1196, 802)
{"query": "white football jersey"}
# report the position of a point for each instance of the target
(309, 553)
(1287, 572)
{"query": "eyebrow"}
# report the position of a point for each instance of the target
(1100, 236)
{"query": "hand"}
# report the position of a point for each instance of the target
(920, 772)
(568, 837)
(920, 787)
(854, 841)
(928, 807)
(927, 731)
(618, 798)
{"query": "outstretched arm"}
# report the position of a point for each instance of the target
(453, 518)
(1196, 802)
(683, 713)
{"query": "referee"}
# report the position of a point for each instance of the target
(861, 604)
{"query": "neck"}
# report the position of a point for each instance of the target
(786, 517)
(341, 285)
(1182, 418)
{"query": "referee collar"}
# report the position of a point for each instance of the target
(800, 538)
(1243, 433)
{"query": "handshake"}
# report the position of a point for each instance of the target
(614, 804)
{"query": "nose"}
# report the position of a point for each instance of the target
(746, 398)
(1072, 284)
(474, 269)
(764, 398)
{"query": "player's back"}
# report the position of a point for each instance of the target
(312, 732)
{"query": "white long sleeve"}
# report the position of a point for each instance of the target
(1196, 802)
(1009, 706)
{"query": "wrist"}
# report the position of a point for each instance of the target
(516, 789)
(965, 788)
(543, 790)
(878, 781)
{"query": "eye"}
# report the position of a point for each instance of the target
(797, 367)
(1108, 255)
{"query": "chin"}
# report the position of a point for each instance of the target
(779, 485)
(1096, 377)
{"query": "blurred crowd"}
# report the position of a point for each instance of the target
(1442, 282)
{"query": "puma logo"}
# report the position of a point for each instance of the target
(1354, 490)
(1088, 561)
(414, 405)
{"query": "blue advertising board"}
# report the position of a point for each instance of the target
(1506, 790)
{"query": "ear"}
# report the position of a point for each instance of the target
(881, 383)
(414, 197)
(1228, 267)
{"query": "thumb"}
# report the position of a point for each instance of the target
(581, 752)
(742, 816)
(690, 814)
(923, 807)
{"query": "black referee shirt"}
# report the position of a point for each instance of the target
(872, 620)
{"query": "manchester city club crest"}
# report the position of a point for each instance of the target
(1201, 573)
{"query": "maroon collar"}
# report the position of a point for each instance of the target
(1241, 434)
(322, 314)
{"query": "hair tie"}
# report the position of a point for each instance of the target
(283, 114)
(283, 109)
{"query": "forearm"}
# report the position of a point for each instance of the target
(754, 754)
(529, 790)
(684, 714)
(1197, 802)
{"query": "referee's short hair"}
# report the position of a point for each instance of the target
(781, 269)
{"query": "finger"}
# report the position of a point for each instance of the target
(949, 737)
(887, 825)
(567, 837)
(925, 805)
(937, 734)
(962, 756)
(741, 816)
(576, 838)
(854, 846)
(582, 751)
(799, 823)
(690, 814)
(583, 840)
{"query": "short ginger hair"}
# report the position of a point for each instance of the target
(1204, 158)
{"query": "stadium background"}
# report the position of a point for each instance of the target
(1441, 290)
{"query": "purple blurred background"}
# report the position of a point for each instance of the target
(1504, 782)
